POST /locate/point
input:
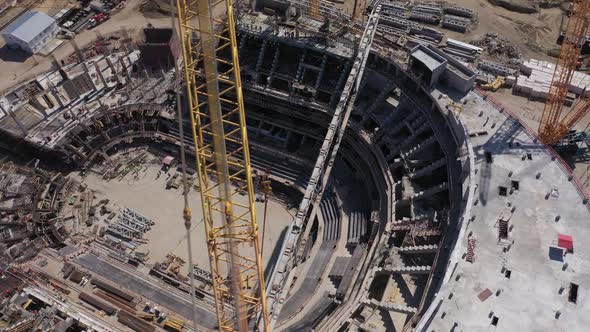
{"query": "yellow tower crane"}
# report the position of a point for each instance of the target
(214, 90)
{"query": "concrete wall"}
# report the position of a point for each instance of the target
(460, 172)
(437, 72)
(457, 82)
(463, 80)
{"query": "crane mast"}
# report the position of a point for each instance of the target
(214, 92)
(553, 127)
(314, 9)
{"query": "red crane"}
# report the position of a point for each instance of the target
(556, 121)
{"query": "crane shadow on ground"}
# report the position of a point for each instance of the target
(13, 55)
(275, 254)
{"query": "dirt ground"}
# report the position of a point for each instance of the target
(534, 34)
(147, 195)
(15, 70)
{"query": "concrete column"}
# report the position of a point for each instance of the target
(378, 101)
(113, 69)
(303, 141)
(142, 122)
(275, 64)
(339, 85)
(289, 134)
(124, 69)
(100, 75)
(257, 131)
(320, 75)
(53, 91)
(300, 67)
(260, 59)
(242, 45)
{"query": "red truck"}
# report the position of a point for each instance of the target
(97, 19)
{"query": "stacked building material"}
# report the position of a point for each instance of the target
(496, 68)
(389, 5)
(543, 69)
(395, 13)
(112, 290)
(108, 309)
(130, 225)
(536, 81)
(456, 23)
(460, 11)
(464, 47)
(394, 9)
(396, 22)
(428, 13)
(202, 275)
(134, 322)
(424, 17)
(429, 8)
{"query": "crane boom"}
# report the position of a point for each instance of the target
(552, 127)
(214, 92)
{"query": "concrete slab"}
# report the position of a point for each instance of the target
(528, 281)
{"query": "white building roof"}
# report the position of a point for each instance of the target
(29, 25)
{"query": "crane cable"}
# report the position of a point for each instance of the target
(267, 190)
(186, 212)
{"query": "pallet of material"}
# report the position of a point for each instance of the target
(456, 25)
(460, 11)
(429, 8)
(134, 322)
(463, 46)
(393, 6)
(108, 288)
(109, 310)
(543, 71)
(424, 17)
(129, 307)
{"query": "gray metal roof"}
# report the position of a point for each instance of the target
(27, 26)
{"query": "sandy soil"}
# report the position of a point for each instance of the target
(538, 31)
(532, 33)
(148, 196)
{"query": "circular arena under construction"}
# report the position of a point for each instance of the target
(403, 198)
